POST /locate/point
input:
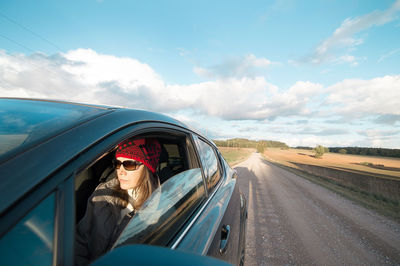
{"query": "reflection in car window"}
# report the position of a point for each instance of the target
(163, 214)
(209, 161)
(30, 242)
(28, 122)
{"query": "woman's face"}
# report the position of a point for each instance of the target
(129, 179)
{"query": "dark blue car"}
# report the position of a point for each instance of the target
(54, 154)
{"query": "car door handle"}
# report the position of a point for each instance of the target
(225, 232)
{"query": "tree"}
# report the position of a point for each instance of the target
(342, 151)
(260, 147)
(319, 151)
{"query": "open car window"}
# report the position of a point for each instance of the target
(167, 209)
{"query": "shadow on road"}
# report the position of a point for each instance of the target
(252, 189)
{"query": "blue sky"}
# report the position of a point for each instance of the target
(302, 72)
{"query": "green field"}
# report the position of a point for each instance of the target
(235, 155)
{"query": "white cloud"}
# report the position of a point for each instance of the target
(389, 54)
(87, 76)
(350, 59)
(305, 89)
(257, 62)
(311, 141)
(36, 76)
(380, 138)
(345, 38)
(92, 67)
(358, 98)
(247, 66)
(373, 133)
(84, 75)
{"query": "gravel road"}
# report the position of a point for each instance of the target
(294, 221)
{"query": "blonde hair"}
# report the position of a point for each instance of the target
(147, 183)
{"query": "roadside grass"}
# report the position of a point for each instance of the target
(235, 155)
(377, 203)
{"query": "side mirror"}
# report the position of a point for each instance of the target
(154, 255)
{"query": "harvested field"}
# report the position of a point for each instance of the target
(369, 165)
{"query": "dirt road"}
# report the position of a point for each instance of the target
(293, 221)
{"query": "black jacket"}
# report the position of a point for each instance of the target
(101, 225)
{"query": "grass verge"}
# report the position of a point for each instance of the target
(379, 204)
(235, 155)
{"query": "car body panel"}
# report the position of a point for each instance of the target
(145, 255)
(224, 208)
(209, 221)
(231, 220)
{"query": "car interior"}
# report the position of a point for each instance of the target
(173, 160)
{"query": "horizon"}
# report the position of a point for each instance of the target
(308, 147)
(305, 74)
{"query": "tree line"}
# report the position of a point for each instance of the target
(359, 151)
(367, 151)
(260, 145)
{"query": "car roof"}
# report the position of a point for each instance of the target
(37, 137)
(24, 123)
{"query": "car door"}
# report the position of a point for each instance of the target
(224, 194)
(38, 230)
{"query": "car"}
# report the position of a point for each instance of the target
(53, 154)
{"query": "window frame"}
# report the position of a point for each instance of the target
(219, 165)
(210, 194)
(148, 129)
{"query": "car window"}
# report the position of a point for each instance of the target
(172, 160)
(164, 213)
(209, 162)
(30, 241)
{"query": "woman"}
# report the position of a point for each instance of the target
(114, 202)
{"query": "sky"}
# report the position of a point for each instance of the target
(305, 73)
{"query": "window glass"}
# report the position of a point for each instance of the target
(30, 242)
(167, 209)
(175, 160)
(209, 162)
